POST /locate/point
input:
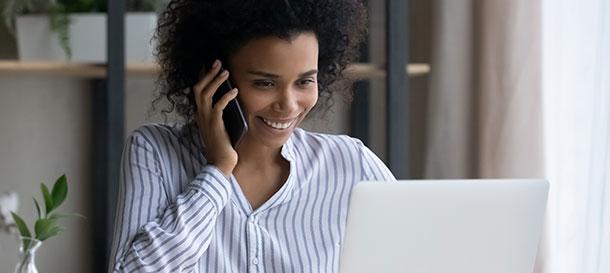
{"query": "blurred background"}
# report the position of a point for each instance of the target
(445, 89)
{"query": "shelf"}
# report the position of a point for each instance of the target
(372, 71)
(82, 70)
(98, 70)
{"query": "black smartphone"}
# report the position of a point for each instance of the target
(233, 116)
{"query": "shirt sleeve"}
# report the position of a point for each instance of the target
(152, 235)
(373, 169)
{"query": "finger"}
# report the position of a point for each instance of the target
(206, 78)
(212, 87)
(224, 101)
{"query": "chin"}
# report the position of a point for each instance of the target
(276, 142)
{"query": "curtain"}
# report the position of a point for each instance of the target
(576, 84)
(485, 97)
(450, 141)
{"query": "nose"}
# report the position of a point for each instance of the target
(286, 101)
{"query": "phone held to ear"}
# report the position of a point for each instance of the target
(233, 116)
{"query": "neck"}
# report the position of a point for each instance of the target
(254, 155)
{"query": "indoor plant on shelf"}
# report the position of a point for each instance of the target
(75, 30)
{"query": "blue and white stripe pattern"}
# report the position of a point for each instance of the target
(178, 214)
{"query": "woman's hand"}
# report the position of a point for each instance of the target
(219, 151)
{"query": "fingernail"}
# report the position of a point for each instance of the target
(216, 63)
(224, 73)
(234, 90)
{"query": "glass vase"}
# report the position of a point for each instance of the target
(27, 255)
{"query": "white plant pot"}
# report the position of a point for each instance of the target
(87, 31)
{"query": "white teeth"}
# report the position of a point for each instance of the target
(278, 125)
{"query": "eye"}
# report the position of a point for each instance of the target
(263, 84)
(306, 82)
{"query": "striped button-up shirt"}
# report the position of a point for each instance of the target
(176, 213)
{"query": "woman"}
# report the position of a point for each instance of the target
(189, 201)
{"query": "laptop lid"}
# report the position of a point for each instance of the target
(442, 226)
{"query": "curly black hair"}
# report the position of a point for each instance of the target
(191, 34)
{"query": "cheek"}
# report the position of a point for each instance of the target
(310, 97)
(250, 102)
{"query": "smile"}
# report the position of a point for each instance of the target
(278, 125)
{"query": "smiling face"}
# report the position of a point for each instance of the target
(277, 82)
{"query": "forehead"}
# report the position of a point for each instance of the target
(275, 54)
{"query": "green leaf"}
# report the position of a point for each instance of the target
(60, 191)
(23, 228)
(42, 225)
(60, 23)
(46, 228)
(48, 201)
(37, 208)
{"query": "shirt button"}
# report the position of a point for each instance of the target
(255, 261)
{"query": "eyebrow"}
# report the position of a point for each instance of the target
(274, 76)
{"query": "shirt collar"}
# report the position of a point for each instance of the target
(287, 149)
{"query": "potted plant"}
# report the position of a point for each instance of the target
(75, 30)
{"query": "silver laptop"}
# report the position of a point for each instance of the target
(444, 226)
